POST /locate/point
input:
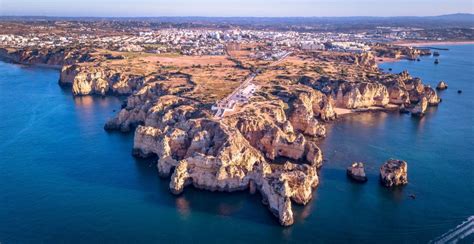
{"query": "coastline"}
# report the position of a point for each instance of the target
(7, 59)
(431, 43)
(7, 56)
(180, 128)
(381, 60)
(344, 112)
(141, 142)
(340, 112)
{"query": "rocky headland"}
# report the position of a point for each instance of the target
(268, 144)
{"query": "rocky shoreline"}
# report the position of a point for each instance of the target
(269, 145)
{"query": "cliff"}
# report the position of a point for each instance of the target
(267, 144)
(87, 80)
(55, 58)
(237, 152)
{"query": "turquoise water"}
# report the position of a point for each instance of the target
(64, 179)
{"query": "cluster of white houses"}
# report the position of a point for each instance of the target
(190, 41)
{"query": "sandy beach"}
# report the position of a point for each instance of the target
(345, 112)
(380, 60)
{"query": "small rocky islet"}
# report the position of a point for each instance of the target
(442, 86)
(285, 119)
(394, 172)
(357, 172)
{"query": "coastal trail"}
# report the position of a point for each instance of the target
(242, 93)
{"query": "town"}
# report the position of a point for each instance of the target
(138, 36)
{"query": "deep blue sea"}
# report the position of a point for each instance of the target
(63, 179)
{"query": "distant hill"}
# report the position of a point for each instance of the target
(458, 20)
(456, 17)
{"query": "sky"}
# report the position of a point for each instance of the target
(232, 8)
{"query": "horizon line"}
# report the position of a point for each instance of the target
(204, 16)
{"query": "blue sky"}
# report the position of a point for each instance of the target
(270, 8)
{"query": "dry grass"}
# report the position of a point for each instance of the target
(212, 77)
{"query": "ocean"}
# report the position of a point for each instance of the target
(66, 180)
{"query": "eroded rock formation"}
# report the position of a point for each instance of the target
(356, 172)
(237, 152)
(211, 155)
(394, 173)
(268, 144)
(87, 80)
(382, 91)
(362, 95)
(54, 57)
(420, 109)
(366, 59)
(442, 86)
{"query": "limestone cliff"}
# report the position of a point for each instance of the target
(54, 57)
(366, 59)
(235, 153)
(267, 144)
(87, 80)
(362, 95)
(377, 91)
(210, 155)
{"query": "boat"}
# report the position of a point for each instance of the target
(436, 54)
(436, 61)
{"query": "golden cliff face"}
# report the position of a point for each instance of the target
(86, 80)
(237, 152)
(55, 58)
(266, 144)
(362, 95)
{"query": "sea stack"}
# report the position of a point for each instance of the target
(356, 172)
(442, 86)
(420, 109)
(394, 173)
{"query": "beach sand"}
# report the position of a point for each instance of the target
(380, 60)
(345, 112)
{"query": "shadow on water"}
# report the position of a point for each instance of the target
(239, 204)
(155, 189)
(396, 194)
